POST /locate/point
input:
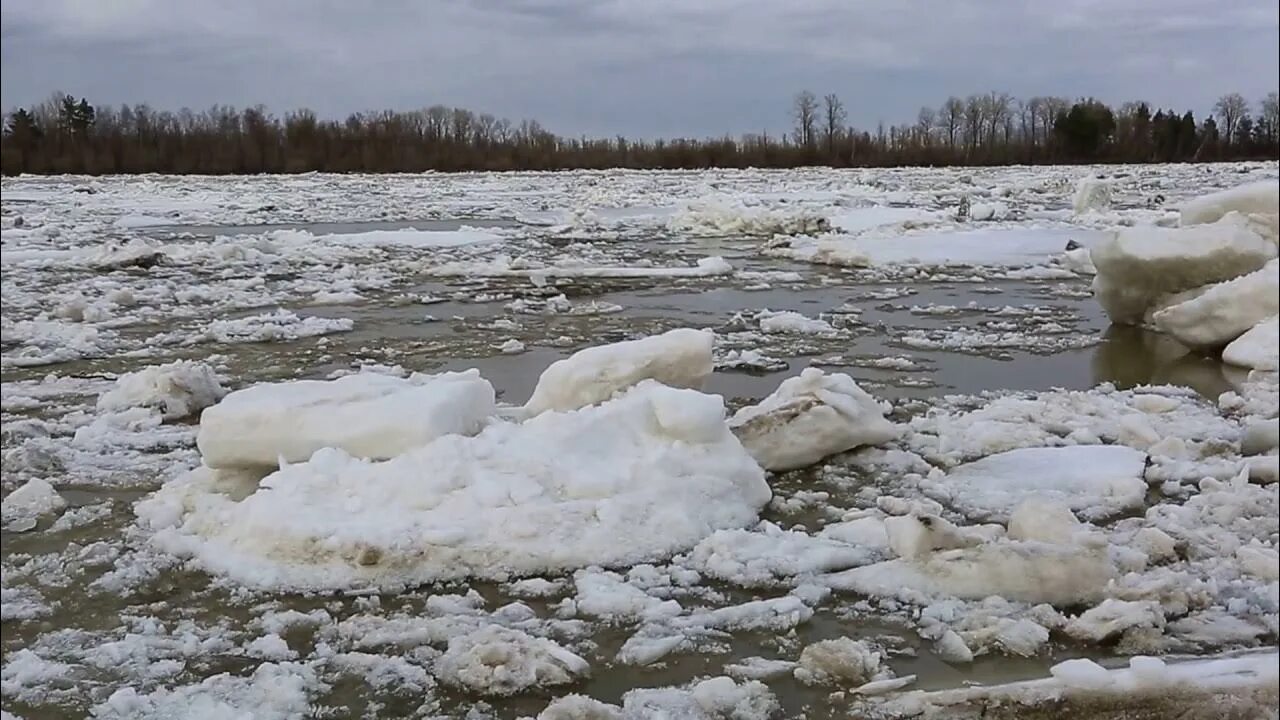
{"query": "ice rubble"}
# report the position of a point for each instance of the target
(274, 691)
(1096, 481)
(679, 358)
(610, 597)
(1142, 266)
(765, 556)
(1225, 311)
(718, 698)
(789, 321)
(657, 638)
(717, 218)
(268, 327)
(45, 342)
(23, 507)
(639, 477)
(982, 212)
(1207, 282)
(1092, 194)
(839, 661)
(918, 534)
(1224, 686)
(1049, 521)
(407, 238)
(1112, 617)
(1257, 348)
(1182, 435)
(808, 418)
(992, 247)
(1024, 571)
(367, 415)
(178, 389)
(501, 661)
(1215, 550)
(1258, 198)
(503, 266)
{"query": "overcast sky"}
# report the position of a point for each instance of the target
(637, 67)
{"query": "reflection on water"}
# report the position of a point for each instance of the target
(1133, 356)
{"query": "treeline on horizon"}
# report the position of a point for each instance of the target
(66, 135)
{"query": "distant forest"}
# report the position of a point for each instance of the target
(66, 135)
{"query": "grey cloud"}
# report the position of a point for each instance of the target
(639, 67)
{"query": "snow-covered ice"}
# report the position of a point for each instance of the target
(1031, 572)
(715, 217)
(678, 358)
(1258, 347)
(1142, 265)
(1096, 481)
(839, 661)
(367, 415)
(1092, 194)
(499, 661)
(1225, 311)
(24, 506)
(178, 389)
(1262, 198)
(635, 479)
(808, 418)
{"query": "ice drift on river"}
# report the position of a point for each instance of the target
(367, 415)
(638, 478)
(810, 417)
(1225, 311)
(678, 358)
(1141, 265)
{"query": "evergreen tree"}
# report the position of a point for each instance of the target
(22, 128)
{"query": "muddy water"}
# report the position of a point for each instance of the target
(460, 335)
(462, 332)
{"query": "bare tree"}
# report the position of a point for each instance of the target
(833, 119)
(805, 109)
(1050, 107)
(1269, 118)
(925, 121)
(951, 118)
(1031, 112)
(995, 109)
(974, 120)
(1230, 109)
